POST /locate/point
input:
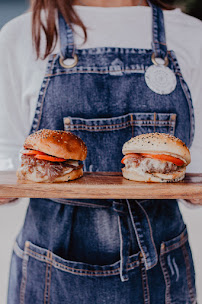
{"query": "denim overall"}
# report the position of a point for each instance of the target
(106, 251)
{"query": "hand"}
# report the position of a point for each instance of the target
(195, 201)
(4, 201)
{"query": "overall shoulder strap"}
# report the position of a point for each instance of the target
(158, 30)
(66, 39)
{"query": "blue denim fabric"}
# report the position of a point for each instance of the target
(106, 251)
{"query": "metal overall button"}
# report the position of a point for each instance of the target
(69, 66)
(159, 78)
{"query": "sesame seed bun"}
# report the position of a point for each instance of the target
(60, 144)
(158, 143)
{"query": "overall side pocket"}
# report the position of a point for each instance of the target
(178, 270)
(48, 278)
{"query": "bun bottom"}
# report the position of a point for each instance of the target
(31, 177)
(154, 177)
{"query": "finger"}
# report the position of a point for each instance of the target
(7, 200)
(195, 201)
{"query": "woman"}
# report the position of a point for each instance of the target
(100, 251)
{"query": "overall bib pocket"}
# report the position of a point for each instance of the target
(100, 134)
(178, 270)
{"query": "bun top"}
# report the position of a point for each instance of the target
(57, 143)
(158, 143)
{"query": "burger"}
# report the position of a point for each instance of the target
(155, 157)
(52, 156)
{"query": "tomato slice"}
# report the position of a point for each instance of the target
(49, 158)
(130, 155)
(164, 157)
(42, 155)
(32, 152)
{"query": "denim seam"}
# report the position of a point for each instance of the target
(45, 84)
(19, 252)
(124, 249)
(134, 122)
(123, 117)
(175, 246)
(96, 72)
(55, 264)
(151, 234)
(175, 64)
(189, 101)
(123, 278)
(172, 125)
(167, 280)
(95, 129)
(158, 42)
(188, 274)
(138, 238)
(145, 285)
(134, 227)
(119, 211)
(48, 279)
(142, 201)
(82, 204)
(24, 276)
(112, 50)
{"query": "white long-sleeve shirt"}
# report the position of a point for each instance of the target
(21, 74)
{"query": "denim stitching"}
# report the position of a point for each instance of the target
(123, 279)
(191, 111)
(188, 274)
(60, 266)
(151, 234)
(96, 272)
(38, 112)
(19, 252)
(45, 289)
(110, 127)
(24, 276)
(112, 50)
(44, 94)
(158, 42)
(135, 228)
(96, 72)
(145, 285)
(106, 71)
(84, 272)
(173, 123)
(134, 122)
(189, 101)
(175, 246)
(122, 117)
(167, 280)
(48, 279)
(119, 211)
(72, 203)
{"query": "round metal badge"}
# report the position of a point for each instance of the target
(160, 79)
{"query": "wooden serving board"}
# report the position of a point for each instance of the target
(102, 185)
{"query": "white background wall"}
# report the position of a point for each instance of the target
(9, 9)
(11, 220)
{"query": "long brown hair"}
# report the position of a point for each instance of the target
(65, 7)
